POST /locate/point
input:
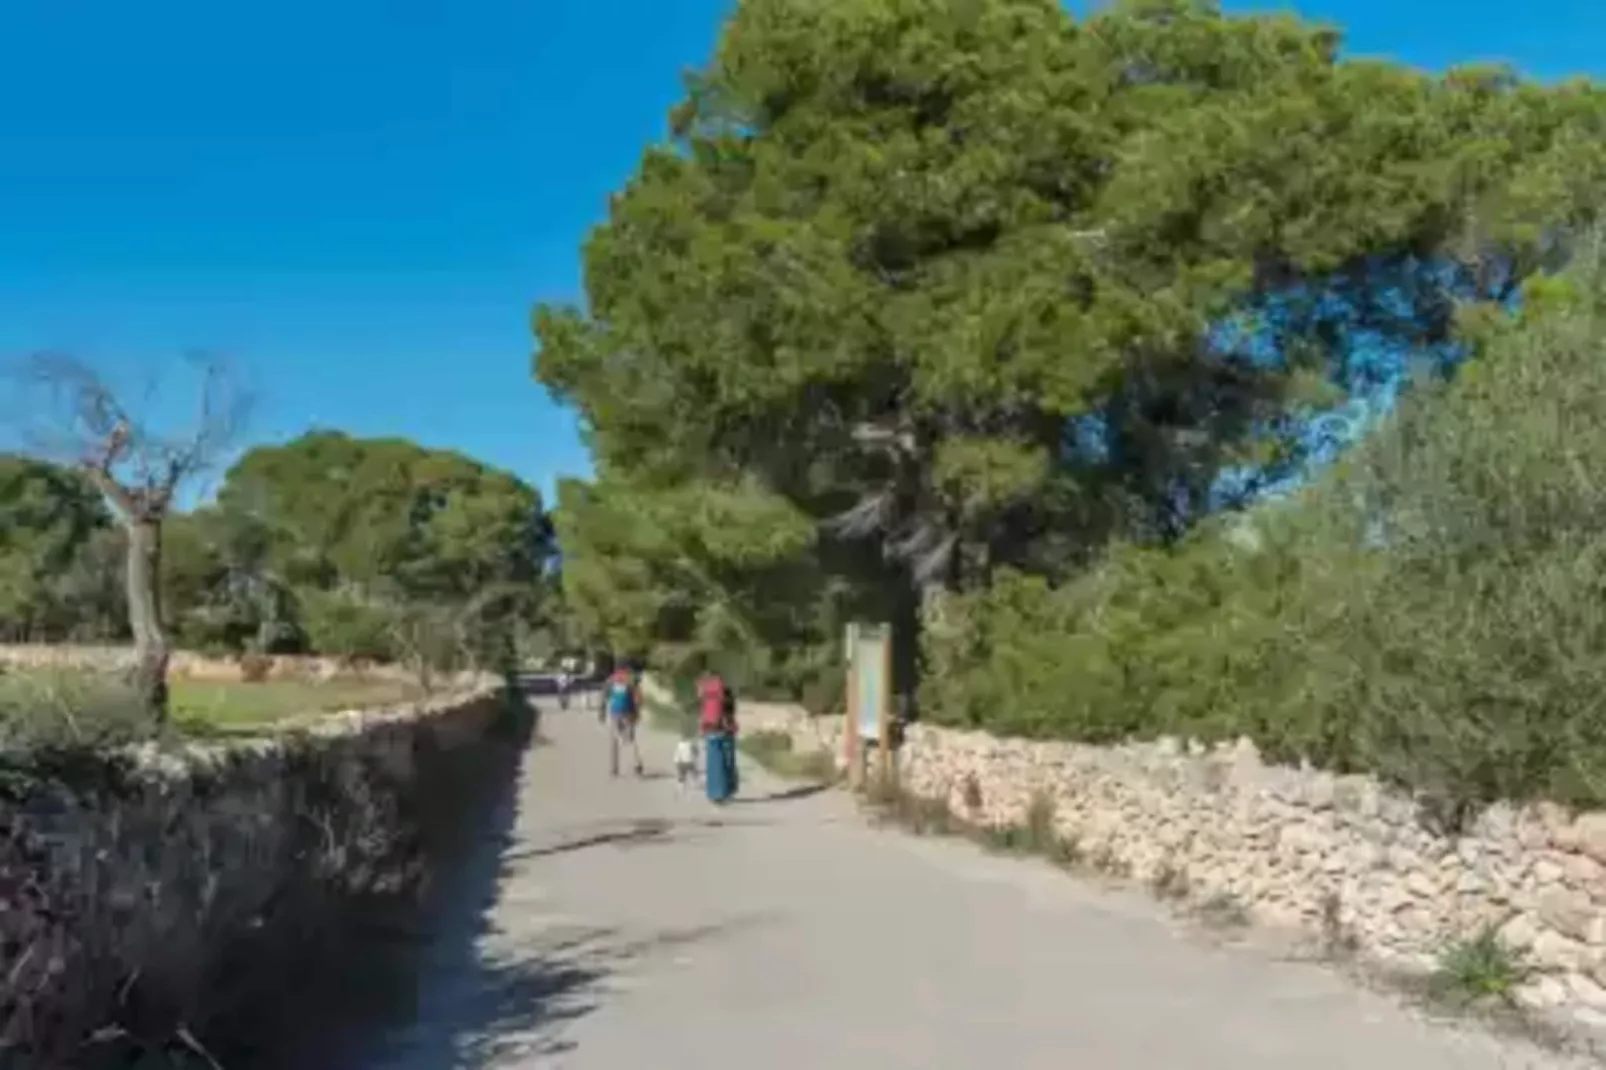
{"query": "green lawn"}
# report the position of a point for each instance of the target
(668, 717)
(199, 708)
(774, 751)
(205, 706)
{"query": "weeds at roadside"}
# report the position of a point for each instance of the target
(1338, 940)
(1478, 977)
(1003, 839)
(1066, 853)
(1474, 978)
(888, 803)
(1035, 836)
(774, 751)
(1481, 967)
(1039, 827)
(926, 817)
(1479, 973)
(54, 711)
(971, 793)
(1478, 970)
(1169, 883)
(770, 748)
(1223, 910)
(668, 717)
(1104, 860)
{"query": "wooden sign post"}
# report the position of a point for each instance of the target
(869, 705)
(852, 753)
(884, 723)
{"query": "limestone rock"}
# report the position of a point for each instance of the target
(1569, 912)
(1589, 834)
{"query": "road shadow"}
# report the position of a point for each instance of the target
(382, 979)
(648, 830)
(802, 791)
(447, 990)
(631, 833)
(520, 1014)
(412, 986)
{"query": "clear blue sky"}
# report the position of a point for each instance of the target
(360, 200)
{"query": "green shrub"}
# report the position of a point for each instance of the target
(343, 624)
(1430, 611)
(1476, 638)
(255, 668)
(767, 745)
(775, 752)
(1153, 641)
(42, 711)
(63, 727)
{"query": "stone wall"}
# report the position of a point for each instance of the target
(1296, 848)
(157, 896)
(190, 665)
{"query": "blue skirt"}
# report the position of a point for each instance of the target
(720, 765)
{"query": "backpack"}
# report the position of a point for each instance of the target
(621, 697)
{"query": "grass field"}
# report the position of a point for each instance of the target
(198, 708)
(668, 717)
(203, 706)
(774, 751)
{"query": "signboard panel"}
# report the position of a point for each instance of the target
(868, 650)
(869, 672)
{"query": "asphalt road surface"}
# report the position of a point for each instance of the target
(621, 924)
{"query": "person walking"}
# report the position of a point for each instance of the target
(621, 708)
(717, 722)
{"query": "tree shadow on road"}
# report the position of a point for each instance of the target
(446, 990)
(638, 832)
(414, 989)
(519, 1013)
(389, 990)
(802, 791)
(648, 830)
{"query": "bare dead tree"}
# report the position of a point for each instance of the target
(140, 468)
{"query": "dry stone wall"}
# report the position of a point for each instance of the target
(1298, 849)
(190, 665)
(157, 893)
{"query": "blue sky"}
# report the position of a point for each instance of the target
(359, 201)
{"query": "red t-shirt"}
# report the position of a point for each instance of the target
(712, 691)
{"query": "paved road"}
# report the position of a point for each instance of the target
(631, 926)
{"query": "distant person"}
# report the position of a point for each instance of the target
(621, 709)
(563, 681)
(717, 723)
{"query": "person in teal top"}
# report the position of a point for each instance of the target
(621, 708)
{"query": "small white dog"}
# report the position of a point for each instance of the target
(685, 763)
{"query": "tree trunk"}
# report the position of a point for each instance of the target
(908, 626)
(144, 571)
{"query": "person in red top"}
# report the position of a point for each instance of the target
(717, 722)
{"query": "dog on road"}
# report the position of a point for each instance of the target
(686, 763)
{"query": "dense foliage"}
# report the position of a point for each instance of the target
(60, 558)
(360, 548)
(978, 316)
(1430, 609)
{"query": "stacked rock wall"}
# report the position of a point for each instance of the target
(1295, 848)
(161, 892)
